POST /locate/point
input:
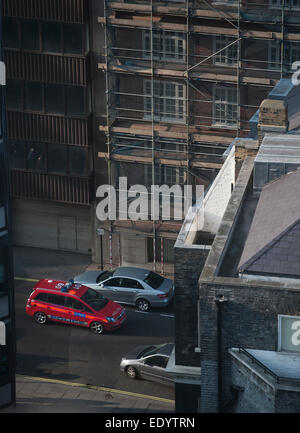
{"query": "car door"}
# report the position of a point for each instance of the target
(110, 289)
(154, 368)
(56, 308)
(76, 312)
(128, 290)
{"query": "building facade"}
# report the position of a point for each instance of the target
(151, 91)
(49, 122)
(182, 80)
(242, 290)
(7, 317)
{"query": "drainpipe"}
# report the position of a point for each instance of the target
(219, 300)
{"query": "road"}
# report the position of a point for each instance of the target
(75, 354)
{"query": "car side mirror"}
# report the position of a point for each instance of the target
(101, 285)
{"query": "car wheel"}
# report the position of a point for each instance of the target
(40, 317)
(97, 328)
(143, 305)
(131, 372)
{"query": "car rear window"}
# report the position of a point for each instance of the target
(94, 299)
(154, 280)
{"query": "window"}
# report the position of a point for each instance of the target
(50, 157)
(14, 95)
(51, 34)
(56, 299)
(75, 100)
(41, 297)
(72, 36)
(274, 55)
(94, 299)
(157, 361)
(10, 33)
(33, 96)
(17, 154)
(292, 4)
(165, 175)
(57, 158)
(51, 37)
(227, 56)
(166, 45)
(291, 55)
(36, 156)
(113, 282)
(154, 280)
(103, 276)
(169, 101)
(130, 284)
(46, 98)
(30, 35)
(78, 161)
(77, 305)
(225, 106)
(54, 99)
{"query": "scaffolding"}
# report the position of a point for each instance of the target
(145, 129)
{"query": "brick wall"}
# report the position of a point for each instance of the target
(189, 262)
(255, 395)
(249, 319)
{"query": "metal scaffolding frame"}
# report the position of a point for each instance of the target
(187, 76)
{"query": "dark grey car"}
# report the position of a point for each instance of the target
(129, 285)
(149, 362)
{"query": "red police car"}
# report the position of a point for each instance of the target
(74, 304)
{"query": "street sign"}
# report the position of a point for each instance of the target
(100, 232)
(289, 333)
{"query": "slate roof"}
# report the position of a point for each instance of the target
(273, 243)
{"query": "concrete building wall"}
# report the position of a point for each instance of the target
(216, 200)
(133, 249)
(52, 225)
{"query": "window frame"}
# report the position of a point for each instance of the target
(290, 48)
(161, 102)
(60, 87)
(67, 148)
(162, 38)
(277, 4)
(226, 123)
(19, 23)
(219, 43)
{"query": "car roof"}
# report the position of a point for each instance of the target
(57, 285)
(126, 271)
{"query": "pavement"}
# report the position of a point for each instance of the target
(42, 395)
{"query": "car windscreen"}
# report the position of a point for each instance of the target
(154, 280)
(151, 350)
(94, 299)
(104, 275)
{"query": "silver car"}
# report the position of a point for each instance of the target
(133, 286)
(149, 362)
